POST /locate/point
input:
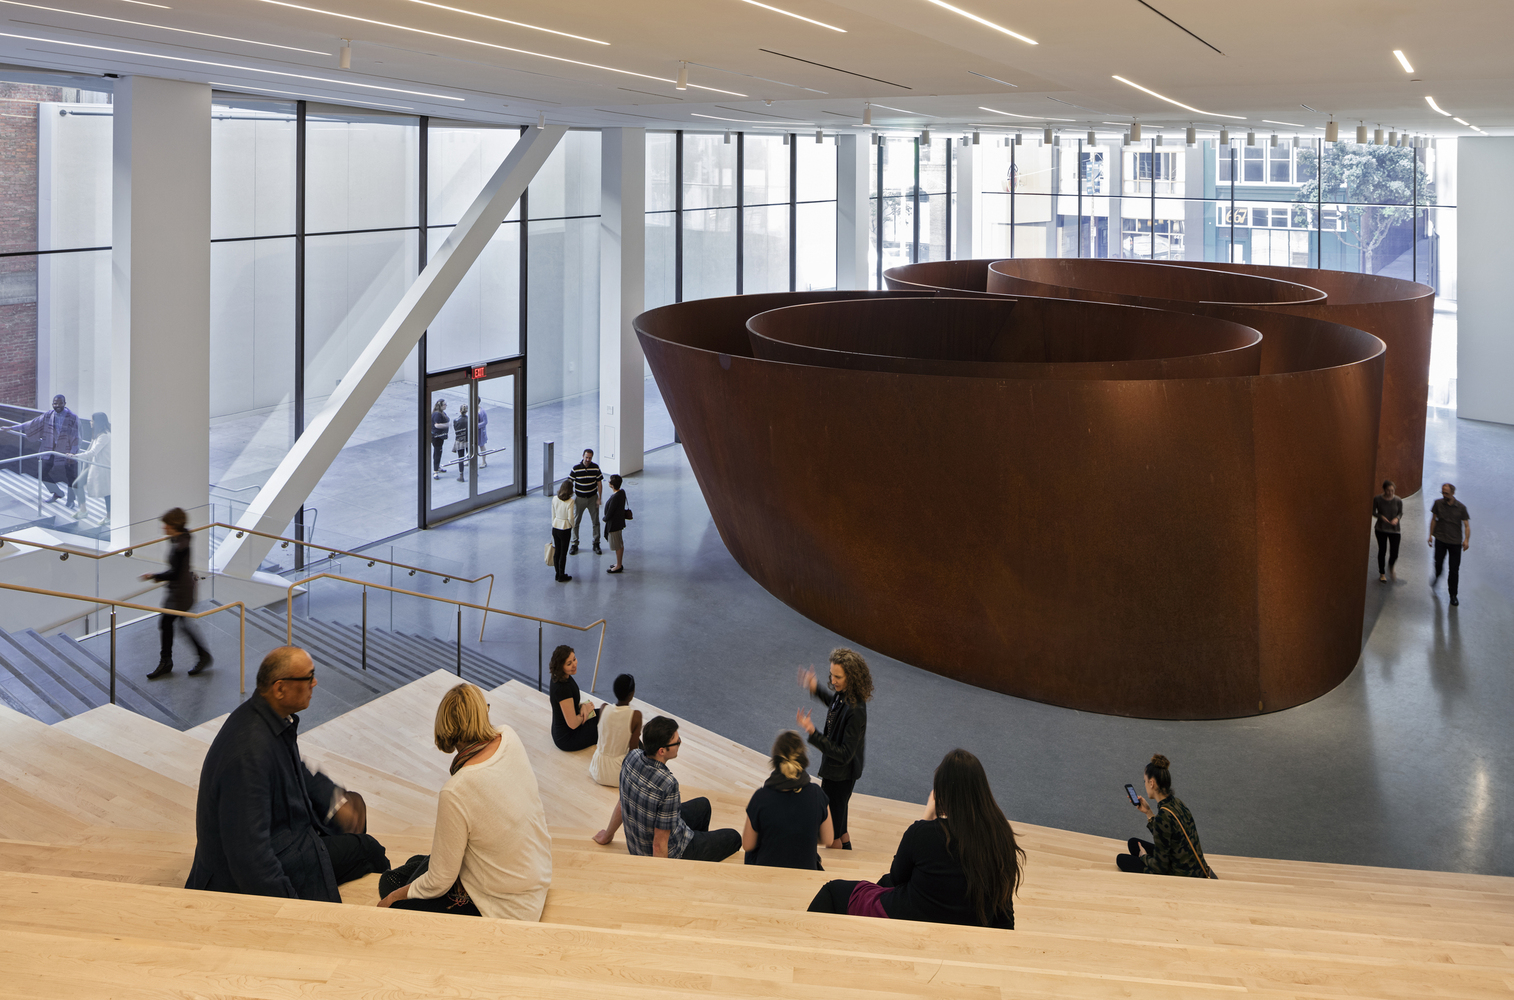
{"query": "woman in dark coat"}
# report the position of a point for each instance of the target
(439, 424)
(844, 737)
(180, 597)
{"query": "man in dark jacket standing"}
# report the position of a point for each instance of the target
(57, 430)
(266, 825)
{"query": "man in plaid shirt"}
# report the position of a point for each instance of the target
(656, 823)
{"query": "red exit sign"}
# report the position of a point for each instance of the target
(477, 373)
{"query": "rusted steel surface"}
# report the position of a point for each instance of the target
(1399, 313)
(1187, 543)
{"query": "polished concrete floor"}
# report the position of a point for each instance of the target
(1407, 763)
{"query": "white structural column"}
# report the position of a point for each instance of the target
(160, 302)
(853, 226)
(1485, 297)
(328, 432)
(965, 186)
(622, 295)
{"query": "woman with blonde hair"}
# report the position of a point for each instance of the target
(490, 855)
(843, 737)
(789, 816)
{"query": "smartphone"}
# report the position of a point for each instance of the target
(1135, 799)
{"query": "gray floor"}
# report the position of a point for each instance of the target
(1407, 763)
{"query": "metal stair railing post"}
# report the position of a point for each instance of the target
(239, 605)
(601, 623)
(365, 628)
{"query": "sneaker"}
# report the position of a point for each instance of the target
(1382, 578)
(436, 475)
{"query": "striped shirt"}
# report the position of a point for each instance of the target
(586, 479)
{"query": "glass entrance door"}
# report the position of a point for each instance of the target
(475, 428)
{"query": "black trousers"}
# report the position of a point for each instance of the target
(840, 794)
(165, 636)
(1442, 550)
(441, 904)
(560, 537)
(707, 845)
(1132, 862)
(58, 475)
(836, 894)
(1387, 546)
(436, 453)
(354, 855)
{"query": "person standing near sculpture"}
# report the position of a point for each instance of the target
(265, 824)
(588, 487)
(94, 470)
(1450, 535)
(616, 516)
(844, 736)
(439, 423)
(180, 578)
(1387, 511)
(57, 430)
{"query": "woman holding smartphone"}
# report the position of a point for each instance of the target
(1174, 847)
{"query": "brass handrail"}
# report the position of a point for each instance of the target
(242, 628)
(372, 560)
(289, 616)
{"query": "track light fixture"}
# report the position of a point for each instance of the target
(683, 77)
(976, 137)
(785, 138)
(1361, 135)
(1251, 138)
(1093, 140)
(1157, 139)
(1046, 137)
(1135, 131)
(1393, 138)
(1272, 140)
(819, 136)
(727, 137)
(541, 119)
(1224, 137)
(867, 114)
(1019, 139)
(1191, 137)
(1125, 139)
(1377, 137)
(345, 59)
(1332, 131)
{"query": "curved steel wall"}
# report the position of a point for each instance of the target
(1059, 500)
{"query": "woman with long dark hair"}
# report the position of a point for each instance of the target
(844, 737)
(959, 864)
(789, 816)
(575, 724)
(1174, 847)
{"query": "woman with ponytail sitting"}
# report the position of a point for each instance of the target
(1174, 847)
(957, 865)
(789, 816)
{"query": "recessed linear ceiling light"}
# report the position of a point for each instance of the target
(490, 45)
(797, 17)
(253, 88)
(1462, 121)
(501, 20)
(1269, 121)
(995, 79)
(1403, 60)
(144, 3)
(986, 23)
(1186, 107)
(744, 121)
(1431, 101)
(161, 27)
(902, 111)
(1034, 118)
(221, 65)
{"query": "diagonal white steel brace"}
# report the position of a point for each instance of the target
(323, 439)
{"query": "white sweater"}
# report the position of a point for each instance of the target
(492, 830)
(562, 513)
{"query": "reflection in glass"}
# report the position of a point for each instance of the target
(360, 172)
(481, 320)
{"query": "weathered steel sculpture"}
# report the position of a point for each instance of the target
(1106, 506)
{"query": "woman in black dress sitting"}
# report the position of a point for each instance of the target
(789, 816)
(958, 865)
(575, 726)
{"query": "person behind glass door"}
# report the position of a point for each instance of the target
(439, 423)
(57, 430)
(460, 440)
(575, 725)
(844, 737)
(481, 419)
(1387, 511)
(1448, 520)
(94, 470)
(562, 529)
(180, 597)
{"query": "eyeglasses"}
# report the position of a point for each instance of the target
(299, 680)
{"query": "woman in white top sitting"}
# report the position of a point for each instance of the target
(490, 855)
(619, 733)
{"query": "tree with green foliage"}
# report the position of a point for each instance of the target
(1376, 184)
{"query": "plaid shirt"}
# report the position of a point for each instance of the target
(649, 802)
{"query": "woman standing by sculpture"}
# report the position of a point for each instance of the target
(844, 737)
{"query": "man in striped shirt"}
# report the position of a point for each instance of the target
(588, 484)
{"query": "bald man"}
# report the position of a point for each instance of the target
(266, 825)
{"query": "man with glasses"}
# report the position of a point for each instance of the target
(655, 821)
(266, 825)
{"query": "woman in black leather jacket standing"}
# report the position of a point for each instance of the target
(843, 738)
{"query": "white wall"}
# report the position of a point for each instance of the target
(1485, 307)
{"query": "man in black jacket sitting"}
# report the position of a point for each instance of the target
(266, 825)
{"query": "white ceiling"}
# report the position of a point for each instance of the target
(1275, 57)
